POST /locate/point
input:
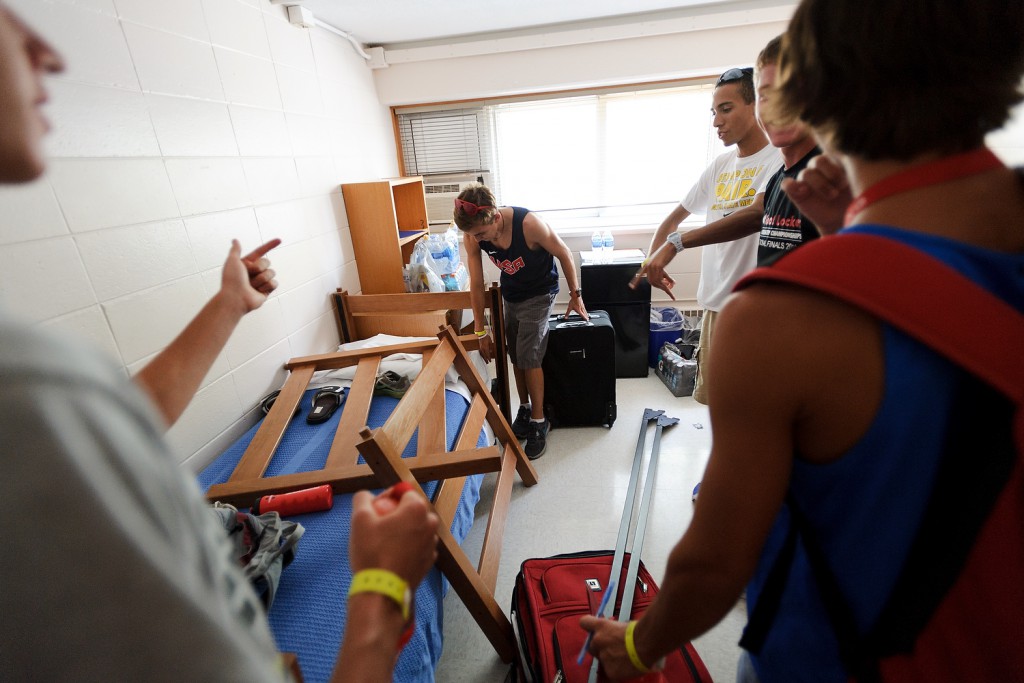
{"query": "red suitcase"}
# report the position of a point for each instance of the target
(550, 597)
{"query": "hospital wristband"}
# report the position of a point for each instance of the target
(480, 333)
(386, 583)
(634, 658)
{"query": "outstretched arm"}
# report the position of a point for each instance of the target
(752, 414)
(474, 261)
(739, 223)
(172, 378)
(656, 274)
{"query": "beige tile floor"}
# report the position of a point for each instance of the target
(577, 505)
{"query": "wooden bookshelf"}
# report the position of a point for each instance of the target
(386, 217)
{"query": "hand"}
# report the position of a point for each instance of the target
(402, 539)
(487, 348)
(821, 192)
(249, 277)
(654, 268)
(576, 304)
(609, 646)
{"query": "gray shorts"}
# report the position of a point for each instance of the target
(526, 330)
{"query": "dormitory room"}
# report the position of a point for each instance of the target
(663, 340)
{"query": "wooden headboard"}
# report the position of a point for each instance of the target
(361, 316)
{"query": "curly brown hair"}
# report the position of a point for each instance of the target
(881, 79)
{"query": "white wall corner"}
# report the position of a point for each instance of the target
(378, 60)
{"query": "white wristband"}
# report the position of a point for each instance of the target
(676, 240)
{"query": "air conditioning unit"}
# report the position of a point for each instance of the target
(441, 191)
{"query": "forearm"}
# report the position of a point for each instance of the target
(568, 269)
(740, 223)
(667, 227)
(693, 598)
(172, 378)
(368, 651)
(477, 300)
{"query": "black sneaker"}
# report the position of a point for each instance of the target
(536, 440)
(521, 427)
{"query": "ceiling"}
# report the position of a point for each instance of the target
(388, 22)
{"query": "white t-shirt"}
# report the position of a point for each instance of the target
(729, 183)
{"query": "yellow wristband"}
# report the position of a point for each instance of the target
(386, 583)
(634, 658)
(480, 333)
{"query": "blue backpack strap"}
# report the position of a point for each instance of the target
(914, 292)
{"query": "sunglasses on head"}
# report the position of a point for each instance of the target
(734, 75)
(469, 208)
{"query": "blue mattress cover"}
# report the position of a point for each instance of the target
(308, 614)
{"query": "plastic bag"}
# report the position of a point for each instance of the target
(421, 278)
(443, 253)
(439, 255)
(666, 319)
(690, 333)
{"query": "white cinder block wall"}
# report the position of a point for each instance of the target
(177, 126)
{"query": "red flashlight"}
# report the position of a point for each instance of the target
(297, 502)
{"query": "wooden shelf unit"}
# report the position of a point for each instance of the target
(386, 217)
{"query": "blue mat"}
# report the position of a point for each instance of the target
(308, 614)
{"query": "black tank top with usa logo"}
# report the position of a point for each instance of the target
(525, 273)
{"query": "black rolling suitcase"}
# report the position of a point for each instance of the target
(579, 371)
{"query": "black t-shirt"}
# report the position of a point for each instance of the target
(783, 227)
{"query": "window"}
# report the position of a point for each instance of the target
(583, 160)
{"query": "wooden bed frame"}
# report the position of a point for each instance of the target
(422, 408)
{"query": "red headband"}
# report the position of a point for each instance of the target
(469, 208)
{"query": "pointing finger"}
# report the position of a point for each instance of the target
(259, 251)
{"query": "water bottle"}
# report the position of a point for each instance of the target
(597, 245)
(609, 245)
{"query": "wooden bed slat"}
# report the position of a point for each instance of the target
(353, 416)
(432, 428)
(490, 553)
(268, 437)
(446, 497)
(407, 414)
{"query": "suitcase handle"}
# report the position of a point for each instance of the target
(574, 319)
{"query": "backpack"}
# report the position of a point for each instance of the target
(956, 612)
(263, 544)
